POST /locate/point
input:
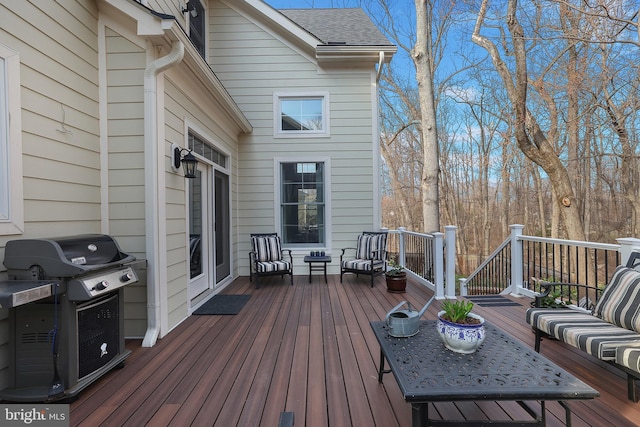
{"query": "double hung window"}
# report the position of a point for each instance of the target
(302, 203)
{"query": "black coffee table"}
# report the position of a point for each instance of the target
(324, 260)
(502, 368)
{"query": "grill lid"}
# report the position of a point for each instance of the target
(65, 256)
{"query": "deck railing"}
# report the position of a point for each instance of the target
(428, 258)
(521, 262)
(517, 266)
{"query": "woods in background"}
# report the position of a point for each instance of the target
(537, 107)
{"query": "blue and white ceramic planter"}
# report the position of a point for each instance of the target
(461, 338)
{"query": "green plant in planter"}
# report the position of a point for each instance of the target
(395, 270)
(458, 311)
(552, 300)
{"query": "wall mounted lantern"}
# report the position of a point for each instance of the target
(188, 161)
(189, 7)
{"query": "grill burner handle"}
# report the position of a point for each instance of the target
(101, 286)
(126, 277)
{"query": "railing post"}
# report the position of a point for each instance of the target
(438, 249)
(450, 259)
(463, 286)
(402, 260)
(517, 272)
(627, 245)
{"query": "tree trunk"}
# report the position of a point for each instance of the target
(423, 60)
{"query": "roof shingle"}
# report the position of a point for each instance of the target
(348, 26)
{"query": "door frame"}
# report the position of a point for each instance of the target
(213, 167)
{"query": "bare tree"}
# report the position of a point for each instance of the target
(529, 135)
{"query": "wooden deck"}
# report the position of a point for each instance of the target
(309, 349)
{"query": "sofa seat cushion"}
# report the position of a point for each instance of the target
(362, 265)
(582, 330)
(619, 303)
(629, 356)
(273, 266)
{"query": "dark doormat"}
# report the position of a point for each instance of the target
(223, 304)
(492, 301)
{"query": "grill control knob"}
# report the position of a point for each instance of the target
(101, 286)
(126, 277)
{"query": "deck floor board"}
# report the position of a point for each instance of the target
(309, 349)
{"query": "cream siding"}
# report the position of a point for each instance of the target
(186, 100)
(57, 46)
(253, 64)
(59, 94)
(125, 63)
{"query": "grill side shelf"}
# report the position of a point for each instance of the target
(14, 293)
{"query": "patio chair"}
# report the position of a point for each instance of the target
(267, 257)
(370, 256)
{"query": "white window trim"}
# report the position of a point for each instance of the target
(193, 128)
(11, 218)
(326, 117)
(277, 161)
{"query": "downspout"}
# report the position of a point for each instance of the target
(151, 188)
(380, 64)
(377, 213)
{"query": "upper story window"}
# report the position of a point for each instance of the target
(196, 15)
(301, 114)
(11, 211)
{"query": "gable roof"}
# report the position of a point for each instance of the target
(349, 26)
(334, 37)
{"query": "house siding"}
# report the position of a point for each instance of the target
(253, 64)
(186, 101)
(125, 64)
(59, 97)
(58, 50)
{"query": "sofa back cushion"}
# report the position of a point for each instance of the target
(620, 300)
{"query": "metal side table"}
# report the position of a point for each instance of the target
(311, 260)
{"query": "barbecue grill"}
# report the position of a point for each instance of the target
(66, 313)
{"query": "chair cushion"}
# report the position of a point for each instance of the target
(267, 248)
(272, 266)
(629, 356)
(620, 301)
(362, 264)
(371, 245)
(582, 330)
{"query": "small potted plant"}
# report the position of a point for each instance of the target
(396, 278)
(461, 330)
(551, 300)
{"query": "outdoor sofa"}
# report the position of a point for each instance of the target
(608, 330)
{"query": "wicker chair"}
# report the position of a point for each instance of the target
(267, 257)
(369, 257)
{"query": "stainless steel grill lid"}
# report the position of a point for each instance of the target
(65, 256)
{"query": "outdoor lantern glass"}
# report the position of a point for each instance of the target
(189, 161)
(189, 164)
